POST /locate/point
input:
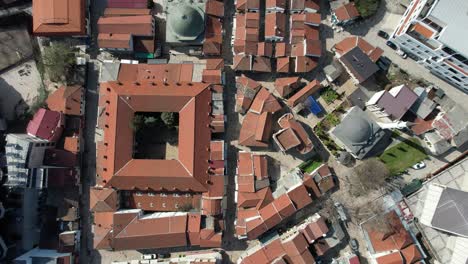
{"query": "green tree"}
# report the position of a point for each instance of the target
(149, 4)
(58, 58)
(150, 121)
(367, 8)
(170, 119)
(137, 122)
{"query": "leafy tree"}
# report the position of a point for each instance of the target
(149, 4)
(150, 121)
(367, 8)
(170, 119)
(58, 59)
(137, 122)
(368, 176)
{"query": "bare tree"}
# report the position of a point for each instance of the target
(368, 176)
(374, 215)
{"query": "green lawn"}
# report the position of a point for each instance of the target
(403, 155)
(310, 165)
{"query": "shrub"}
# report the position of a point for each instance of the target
(171, 119)
(367, 8)
(58, 60)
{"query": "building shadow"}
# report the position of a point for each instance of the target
(363, 26)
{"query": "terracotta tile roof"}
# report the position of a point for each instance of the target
(258, 256)
(271, 4)
(286, 139)
(411, 254)
(155, 73)
(311, 33)
(62, 177)
(349, 43)
(261, 64)
(212, 76)
(295, 245)
(217, 124)
(315, 230)
(72, 144)
(346, 12)
(161, 201)
(132, 231)
(214, 64)
(256, 130)
(297, 21)
(312, 19)
(392, 258)
(211, 206)
(255, 228)
(214, 8)
(299, 196)
(274, 250)
(211, 48)
(398, 238)
(102, 230)
(245, 5)
(126, 3)
(260, 164)
(313, 48)
(265, 49)
(59, 17)
(298, 49)
(284, 206)
(248, 34)
(246, 91)
(275, 25)
(282, 49)
(115, 32)
(217, 150)
(190, 170)
(245, 47)
(114, 41)
(47, 125)
(311, 186)
(288, 121)
(109, 12)
(321, 246)
(252, 20)
(304, 64)
(305, 258)
(284, 86)
(60, 158)
(247, 200)
(242, 63)
(67, 100)
(103, 200)
(282, 64)
(270, 216)
(213, 29)
(193, 228)
(245, 164)
(297, 35)
(265, 102)
(302, 94)
(208, 238)
(297, 5)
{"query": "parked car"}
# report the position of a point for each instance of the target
(384, 63)
(402, 54)
(383, 34)
(419, 165)
(392, 45)
(149, 256)
(164, 255)
(354, 245)
(341, 212)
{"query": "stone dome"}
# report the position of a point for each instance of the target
(359, 130)
(187, 22)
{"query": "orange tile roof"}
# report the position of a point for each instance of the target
(244, 5)
(265, 49)
(302, 94)
(305, 64)
(286, 139)
(114, 41)
(161, 201)
(190, 170)
(103, 200)
(72, 144)
(242, 63)
(423, 30)
(67, 100)
(297, 21)
(102, 235)
(270, 216)
(265, 102)
(217, 150)
(311, 33)
(274, 250)
(256, 130)
(392, 258)
(212, 76)
(214, 64)
(297, 35)
(411, 254)
(247, 200)
(282, 64)
(282, 49)
(288, 121)
(211, 206)
(350, 43)
(155, 73)
(214, 8)
(315, 230)
(59, 17)
(108, 12)
(255, 227)
(261, 64)
(284, 86)
(275, 3)
(295, 245)
(211, 48)
(134, 25)
(275, 25)
(245, 164)
(299, 196)
(346, 12)
(260, 163)
(312, 18)
(284, 206)
(305, 258)
(313, 48)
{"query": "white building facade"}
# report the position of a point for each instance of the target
(435, 33)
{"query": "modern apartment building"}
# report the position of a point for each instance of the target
(435, 32)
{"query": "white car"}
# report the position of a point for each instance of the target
(402, 54)
(419, 165)
(149, 256)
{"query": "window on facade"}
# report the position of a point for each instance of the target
(175, 195)
(452, 70)
(138, 194)
(163, 195)
(150, 194)
(456, 79)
